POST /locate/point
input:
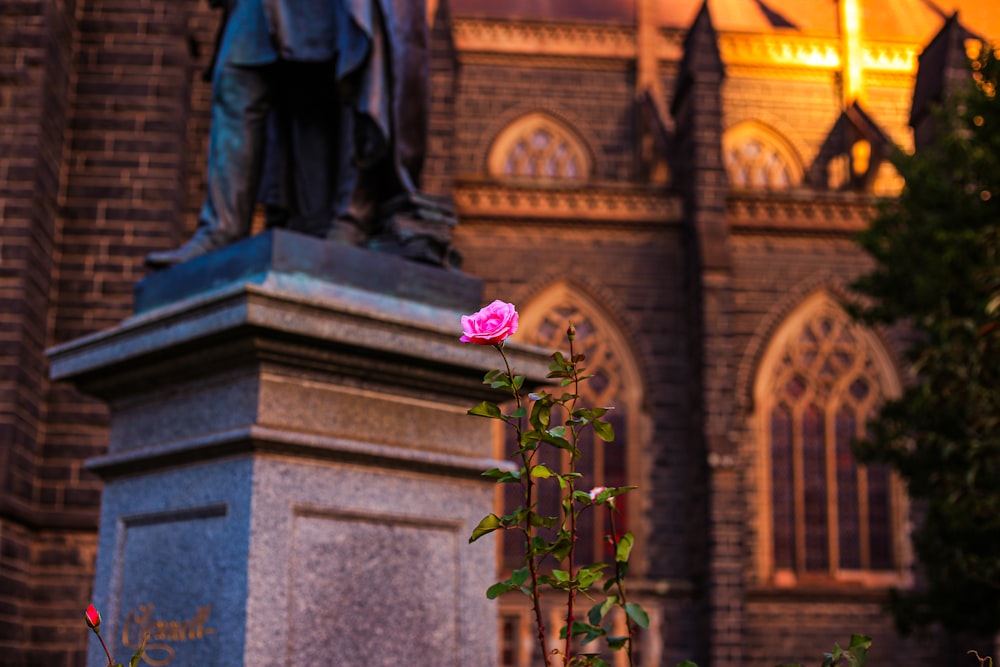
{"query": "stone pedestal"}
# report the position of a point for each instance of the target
(291, 477)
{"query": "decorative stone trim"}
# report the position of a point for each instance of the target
(592, 40)
(891, 57)
(544, 38)
(749, 49)
(592, 203)
(799, 212)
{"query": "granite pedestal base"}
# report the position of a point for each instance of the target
(291, 477)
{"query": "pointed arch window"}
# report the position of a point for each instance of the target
(538, 146)
(825, 515)
(757, 158)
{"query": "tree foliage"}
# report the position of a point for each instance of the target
(936, 272)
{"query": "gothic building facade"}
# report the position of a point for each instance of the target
(679, 178)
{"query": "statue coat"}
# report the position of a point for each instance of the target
(381, 52)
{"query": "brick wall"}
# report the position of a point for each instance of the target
(782, 630)
(597, 102)
(61, 581)
(125, 169)
(439, 165)
(94, 100)
(34, 87)
(102, 151)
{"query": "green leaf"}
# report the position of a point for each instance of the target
(498, 589)
(857, 652)
(489, 523)
(504, 476)
(590, 414)
(555, 436)
(617, 643)
(624, 549)
(608, 605)
(587, 631)
(542, 521)
(860, 643)
(637, 614)
(594, 615)
(487, 409)
(518, 381)
(542, 472)
(604, 431)
(561, 546)
(687, 663)
(541, 414)
(586, 576)
(137, 656)
(515, 517)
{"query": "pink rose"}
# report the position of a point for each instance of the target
(596, 491)
(490, 326)
(93, 618)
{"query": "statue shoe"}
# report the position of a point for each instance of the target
(204, 241)
(345, 231)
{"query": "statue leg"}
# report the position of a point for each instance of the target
(352, 211)
(241, 100)
(307, 102)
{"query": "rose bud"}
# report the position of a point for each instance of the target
(596, 491)
(93, 618)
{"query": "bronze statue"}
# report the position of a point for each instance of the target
(319, 110)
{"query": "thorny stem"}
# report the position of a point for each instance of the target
(528, 487)
(571, 556)
(620, 583)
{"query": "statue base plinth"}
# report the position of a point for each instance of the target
(279, 251)
(292, 476)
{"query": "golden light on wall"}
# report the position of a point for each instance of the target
(850, 34)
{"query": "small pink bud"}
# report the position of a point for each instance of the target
(93, 618)
(596, 491)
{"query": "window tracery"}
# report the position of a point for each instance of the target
(827, 515)
(538, 146)
(757, 159)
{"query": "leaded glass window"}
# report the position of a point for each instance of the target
(828, 515)
(539, 147)
(757, 159)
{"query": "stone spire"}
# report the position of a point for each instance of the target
(943, 68)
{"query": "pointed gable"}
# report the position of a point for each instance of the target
(852, 153)
(942, 68)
